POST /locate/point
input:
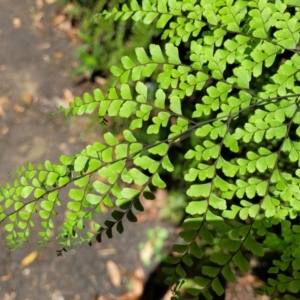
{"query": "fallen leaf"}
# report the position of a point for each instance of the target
(11, 296)
(137, 286)
(65, 100)
(139, 273)
(137, 280)
(4, 130)
(46, 57)
(107, 251)
(18, 108)
(129, 296)
(68, 8)
(38, 17)
(50, 1)
(72, 140)
(27, 97)
(26, 272)
(104, 208)
(16, 22)
(6, 277)
(37, 20)
(57, 20)
(58, 54)
(65, 26)
(3, 101)
(251, 279)
(29, 258)
(39, 4)
(100, 80)
(44, 46)
(63, 147)
(161, 194)
(113, 273)
(68, 95)
(147, 252)
(141, 217)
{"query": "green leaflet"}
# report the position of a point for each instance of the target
(93, 199)
(26, 191)
(217, 286)
(127, 63)
(176, 105)
(197, 207)
(210, 271)
(172, 53)
(199, 190)
(156, 53)
(80, 163)
(255, 247)
(228, 274)
(129, 193)
(137, 176)
(142, 56)
(240, 261)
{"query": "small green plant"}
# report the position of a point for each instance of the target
(233, 100)
(105, 41)
(156, 239)
(174, 208)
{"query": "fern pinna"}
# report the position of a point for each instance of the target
(239, 74)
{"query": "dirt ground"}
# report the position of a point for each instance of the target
(35, 60)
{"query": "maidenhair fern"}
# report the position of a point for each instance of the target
(240, 77)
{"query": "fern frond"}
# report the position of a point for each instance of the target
(234, 96)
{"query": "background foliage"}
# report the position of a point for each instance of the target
(223, 111)
(105, 41)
